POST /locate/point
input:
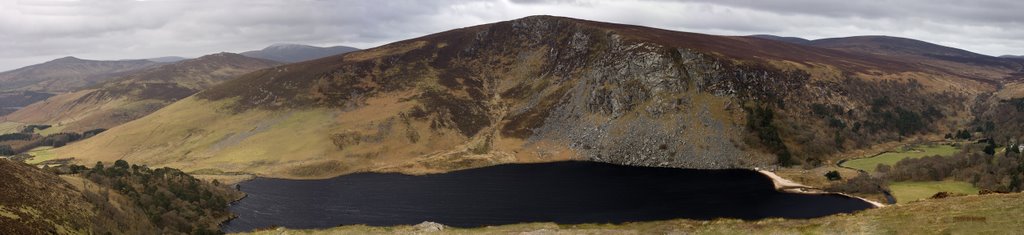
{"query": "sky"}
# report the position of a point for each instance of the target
(35, 31)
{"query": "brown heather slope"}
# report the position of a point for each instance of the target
(545, 88)
(137, 94)
(989, 69)
(38, 202)
(67, 74)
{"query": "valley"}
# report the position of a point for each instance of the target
(542, 123)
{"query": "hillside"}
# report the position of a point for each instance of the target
(126, 98)
(547, 88)
(67, 74)
(794, 40)
(291, 53)
(11, 101)
(167, 59)
(951, 60)
(39, 202)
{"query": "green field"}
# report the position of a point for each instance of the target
(40, 154)
(890, 158)
(52, 130)
(907, 191)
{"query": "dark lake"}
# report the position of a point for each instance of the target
(560, 192)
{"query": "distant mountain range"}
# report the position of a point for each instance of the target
(167, 59)
(1012, 56)
(67, 74)
(950, 60)
(794, 40)
(136, 94)
(291, 53)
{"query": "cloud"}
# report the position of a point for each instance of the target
(39, 30)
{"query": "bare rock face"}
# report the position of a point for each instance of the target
(429, 227)
(640, 103)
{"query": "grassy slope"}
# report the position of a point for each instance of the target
(10, 127)
(890, 158)
(290, 144)
(986, 214)
(913, 191)
(40, 154)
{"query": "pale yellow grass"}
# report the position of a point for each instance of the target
(10, 127)
(195, 134)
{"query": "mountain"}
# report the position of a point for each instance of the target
(134, 95)
(546, 88)
(1012, 56)
(167, 59)
(290, 53)
(947, 59)
(794, 40)
(67, 74)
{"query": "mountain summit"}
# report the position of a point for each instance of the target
(290, 53)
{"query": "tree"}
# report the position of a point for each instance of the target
(963, 134)
(990, 149)
(122, 164)
(98, 168)
(6, 150)
(883, 168)
(833, 176)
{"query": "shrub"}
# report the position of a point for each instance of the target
(833, 176)
(172, 200)
(861, 184)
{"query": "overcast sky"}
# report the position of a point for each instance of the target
(35, 31)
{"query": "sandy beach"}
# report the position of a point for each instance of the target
(789, 186)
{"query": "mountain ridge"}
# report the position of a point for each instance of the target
(137, 94)
(290, 53)
(546, 88)
(67, 74)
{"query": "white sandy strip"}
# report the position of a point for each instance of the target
(786, 185)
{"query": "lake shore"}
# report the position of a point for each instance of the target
(785, 185)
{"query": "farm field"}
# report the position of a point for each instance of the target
(890, 158)
(907, 191)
